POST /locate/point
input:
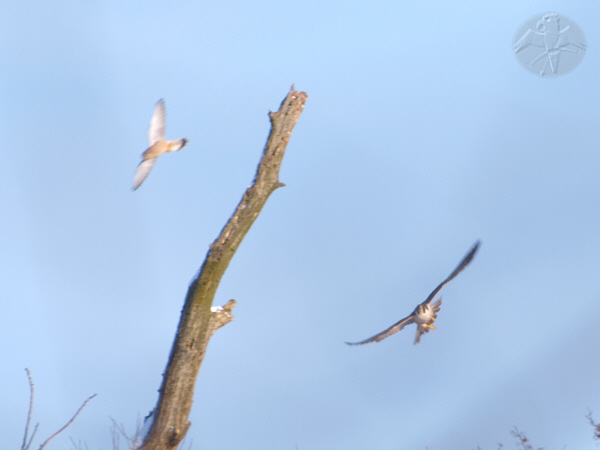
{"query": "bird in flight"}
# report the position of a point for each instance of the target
(158, 145)
(424, 314)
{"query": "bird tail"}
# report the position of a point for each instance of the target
(422, 329)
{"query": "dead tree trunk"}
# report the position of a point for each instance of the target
(198, 322)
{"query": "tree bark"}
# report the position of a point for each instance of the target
(198, 322)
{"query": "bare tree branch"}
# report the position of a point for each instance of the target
(26, 443)
(198, 322)
(68, 423)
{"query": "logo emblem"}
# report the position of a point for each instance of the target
(549, 45)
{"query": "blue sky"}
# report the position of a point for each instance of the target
(422, 133)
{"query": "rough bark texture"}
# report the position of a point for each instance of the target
(198, 322)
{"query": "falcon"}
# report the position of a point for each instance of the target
(158, 145)
(424, 314)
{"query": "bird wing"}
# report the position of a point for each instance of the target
(157, 124)
(568, 36)
(391, 330)
(530, 37)
(142, 172)
(466, 260)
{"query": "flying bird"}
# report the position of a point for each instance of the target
(424, 314)
(158, 145)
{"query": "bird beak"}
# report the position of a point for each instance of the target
(431, 326)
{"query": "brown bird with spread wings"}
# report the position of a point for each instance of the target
(158, 145)
(424, 314)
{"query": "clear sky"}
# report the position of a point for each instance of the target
(422, 134)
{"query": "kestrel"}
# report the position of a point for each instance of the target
(158, 145)
(424, 314)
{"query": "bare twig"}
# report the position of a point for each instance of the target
(79, 445)
(115, 434)
(67, 424)
(32, 436)
(26, 443)
(594, 424)
(118, 430)
(132, 441)
(198, 322)
(522, 439)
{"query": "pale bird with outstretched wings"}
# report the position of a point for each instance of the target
(424, 314)
(158, 145)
